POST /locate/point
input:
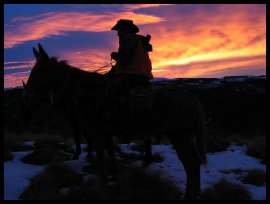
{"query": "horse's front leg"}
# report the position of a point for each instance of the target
(148, 158)
(77, 140)
(88, 139)
(76, 136)
(112, 164)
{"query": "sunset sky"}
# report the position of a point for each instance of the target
(189, 40)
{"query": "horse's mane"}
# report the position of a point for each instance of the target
(61, 63)
(82, 75)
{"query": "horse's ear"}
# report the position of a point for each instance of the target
(24, 85)
(35, 53)
(42, 52)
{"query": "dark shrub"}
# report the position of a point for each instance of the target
(224, 190)
(47, 185)
(255, 177)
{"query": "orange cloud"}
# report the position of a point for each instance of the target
(15, 79)
(24, 29)
(226, 40)
(18, 65)
(89, 59)
(217, 68)
(185, 40)
(139, 6)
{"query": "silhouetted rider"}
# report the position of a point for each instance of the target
(133, 66)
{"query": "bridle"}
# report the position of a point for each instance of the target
(53, 94)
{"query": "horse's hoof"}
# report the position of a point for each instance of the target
(75, 157)
(112, 178)
(147, 161)
(88, 155)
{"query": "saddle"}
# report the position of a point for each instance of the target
(138, 101)
(141, 99)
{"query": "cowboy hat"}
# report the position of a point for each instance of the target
(125, 23)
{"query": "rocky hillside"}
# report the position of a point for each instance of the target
(234, 104)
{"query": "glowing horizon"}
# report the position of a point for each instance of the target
(188, 40)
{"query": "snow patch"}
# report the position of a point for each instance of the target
(220, 165)
(17, 175)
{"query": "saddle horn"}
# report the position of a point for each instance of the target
(42, 52)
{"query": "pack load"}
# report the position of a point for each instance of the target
(145, 41)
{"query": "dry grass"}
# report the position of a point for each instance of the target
(13, 143)
(138, 146)
(46, 147)
(257, 148)
(7, 155)
(225, 190)
(47, 185)
(157, 158)
(255, 177)
(132, 184)
(45, 156)
(53, 140)
(235, 171)
(217, 143)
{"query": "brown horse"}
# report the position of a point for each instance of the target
(177, 114)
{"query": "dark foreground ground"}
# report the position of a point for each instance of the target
(236, 113)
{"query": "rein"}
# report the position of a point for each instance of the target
(107, 65)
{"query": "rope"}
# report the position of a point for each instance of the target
(107, 65)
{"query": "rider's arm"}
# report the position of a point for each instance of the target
(114, 56)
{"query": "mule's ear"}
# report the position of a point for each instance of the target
(42, 52)
(24, 85)
(35, 53)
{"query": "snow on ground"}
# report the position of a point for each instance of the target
(231, 159)
(17, 175)
(158, 79)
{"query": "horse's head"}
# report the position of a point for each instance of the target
(46, 77)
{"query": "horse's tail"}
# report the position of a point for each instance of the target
(201, 132)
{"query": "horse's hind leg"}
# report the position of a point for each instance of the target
(186, 152)
(76, 136)
(89, 143)
(148, 152)
(100, 152)
(113, 164)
